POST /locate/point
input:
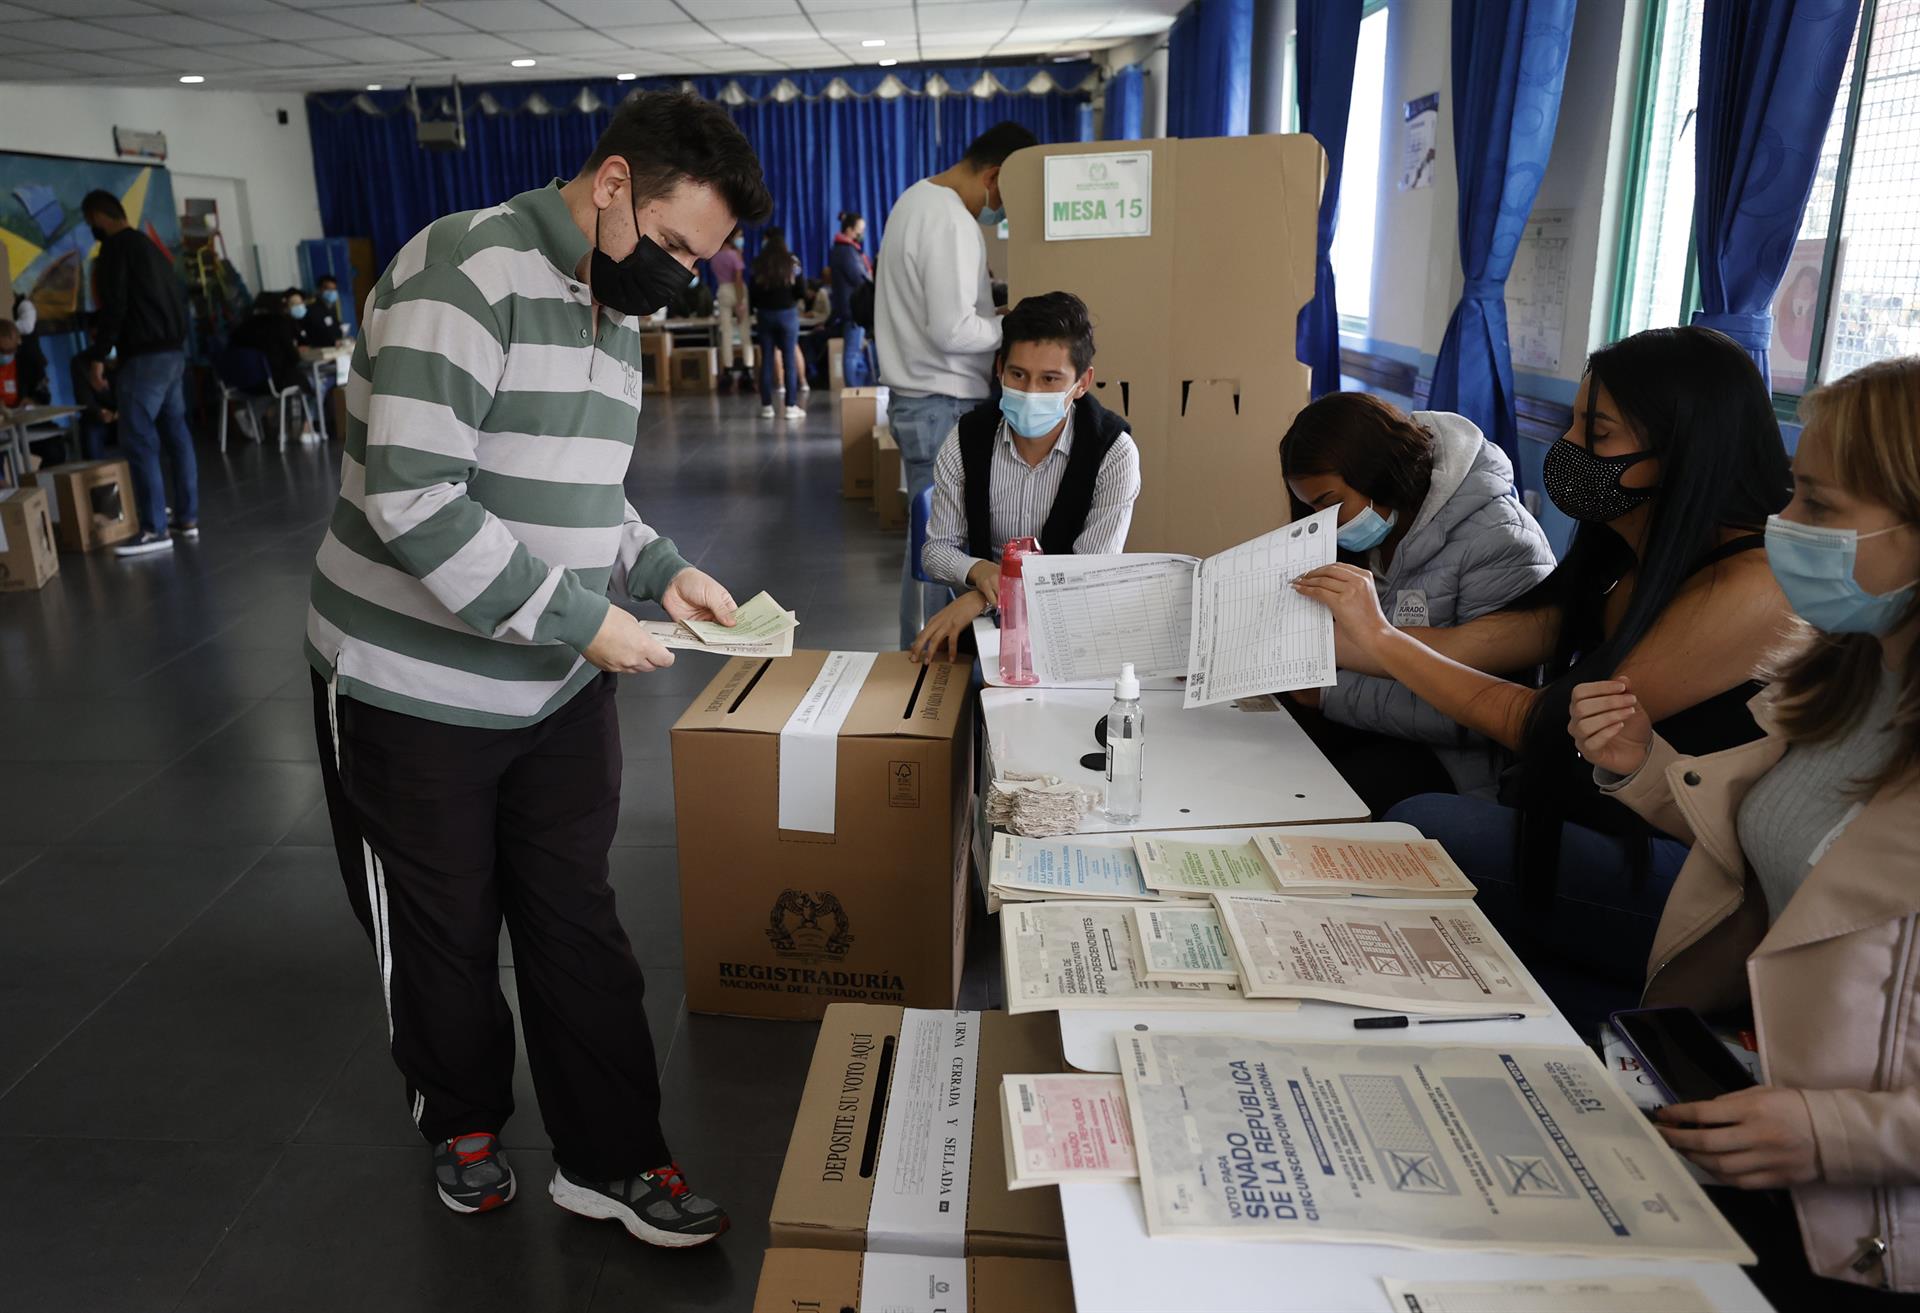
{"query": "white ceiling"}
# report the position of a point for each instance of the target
(309, 45)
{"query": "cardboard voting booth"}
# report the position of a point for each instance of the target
(27, 555)
(821, 801)
(1195, 258)
(898, 1146)
(861, 409)
(825, 1281)
(91, 503)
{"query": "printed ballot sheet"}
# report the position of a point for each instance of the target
(1381, 868)
(1066, 1128)
(1524, 1148)
(1183, 941)
(759, 619)
(1252, 633)
(1584, 1295)
(1089, 615)
(678, 637)
(1024, 869)
(1411, 958)
(1188, 869)
(1085, 955)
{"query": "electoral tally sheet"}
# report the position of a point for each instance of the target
(1514, 1147)
(1252, 633)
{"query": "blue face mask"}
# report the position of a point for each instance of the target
(992, 216)
(1814, 567)
(298, 311)
(1032, 414)
(1366, 531)
(330, 295)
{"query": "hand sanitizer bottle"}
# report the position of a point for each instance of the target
(1126, 746)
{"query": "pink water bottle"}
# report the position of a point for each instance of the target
(1016, 647)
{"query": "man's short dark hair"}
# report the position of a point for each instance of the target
(324, 279)
(103, 203)
(999, 141)
(670, 137)
(1051, 317)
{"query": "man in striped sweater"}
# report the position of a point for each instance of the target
(464, 651)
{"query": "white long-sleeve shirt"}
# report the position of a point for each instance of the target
(933, 315)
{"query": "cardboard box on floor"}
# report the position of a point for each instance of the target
(860, 410)
(889, 498)
(823, 1281)
(897, 1143)
(822, 863)
(91, 502)
(656, 362)
(837, 363)
(695, 368)
(27, 555)
(1200, 362)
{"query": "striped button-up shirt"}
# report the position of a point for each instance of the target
(490, 421)
(1021, 497)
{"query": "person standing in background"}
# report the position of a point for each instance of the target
(777, 289)
(934, 318)
(849, 267)
(729, 269)
(143, 316)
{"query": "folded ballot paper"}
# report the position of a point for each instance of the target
(1064, 1129)
(761, 628)
(1301, 866)
(1024, 870)
(1232, 626)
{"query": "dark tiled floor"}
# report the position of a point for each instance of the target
(197, 1110)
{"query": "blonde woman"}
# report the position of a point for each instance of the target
(1802, 890)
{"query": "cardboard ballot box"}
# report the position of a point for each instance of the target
(91, 502)
(897, 1145)
(824, 1281)
(889, 498)
(860, 410)
(656, 362)
(821, 803)
(836, 363)
(695, 369)
(27, 555)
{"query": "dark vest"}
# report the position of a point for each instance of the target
(1095, 428)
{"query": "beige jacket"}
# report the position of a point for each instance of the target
(1835, 987)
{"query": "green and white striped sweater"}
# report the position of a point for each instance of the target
(481, 517)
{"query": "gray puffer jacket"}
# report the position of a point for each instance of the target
(1472, 549)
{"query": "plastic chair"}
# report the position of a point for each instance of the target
(245, 377)
(919, 511)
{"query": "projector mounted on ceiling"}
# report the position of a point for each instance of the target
(438, 134)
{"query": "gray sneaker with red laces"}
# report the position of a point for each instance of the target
(471, 1173)
(657, 1206)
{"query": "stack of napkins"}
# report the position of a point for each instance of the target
(761, 628)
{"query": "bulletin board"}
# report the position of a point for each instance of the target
(48, 245)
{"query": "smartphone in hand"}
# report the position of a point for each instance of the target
(1686, 1060)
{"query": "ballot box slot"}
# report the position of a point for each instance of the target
(758, 675)
(870, 1151)
(913, 694)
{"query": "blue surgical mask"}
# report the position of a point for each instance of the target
(331, 295)
(1032, 414)
(1814, 566)
(1366, 531)
(992, 216)
(298, 311)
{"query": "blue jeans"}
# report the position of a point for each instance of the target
(153, 414)
(853, 357)
(779, 331)
(920, 425)
(1589, 947)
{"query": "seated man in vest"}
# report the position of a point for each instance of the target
(1047, 461)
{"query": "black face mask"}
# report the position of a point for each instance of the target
(99, 233)
(1587, 487)
(639, 284)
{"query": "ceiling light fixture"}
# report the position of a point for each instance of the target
(625, 77)
(888, 63)
(522, 63)
(373, 86)
(874, 41)
(191, 78)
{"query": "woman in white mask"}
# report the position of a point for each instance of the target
(1801, 895)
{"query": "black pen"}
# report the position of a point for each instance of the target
(1401, 1023)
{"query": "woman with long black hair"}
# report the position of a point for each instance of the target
(776, 289)
(1672, 465)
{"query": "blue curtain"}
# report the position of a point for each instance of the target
(1509, 63)
(820, 156)
(1769, 73)
(1210, 69)
(1126, 104)
(1328, 36)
